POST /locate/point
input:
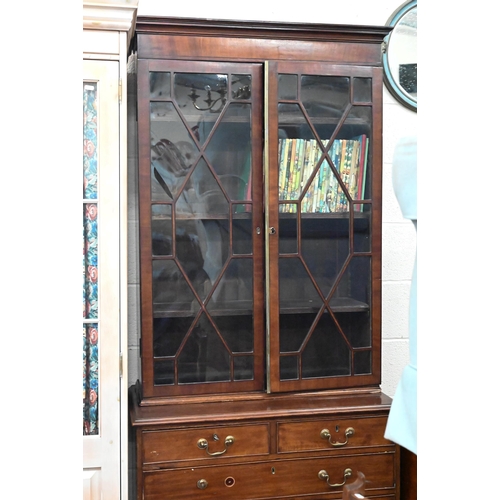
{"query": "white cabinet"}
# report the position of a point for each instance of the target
(107, 29)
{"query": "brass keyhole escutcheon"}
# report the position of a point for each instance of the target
(229, 481)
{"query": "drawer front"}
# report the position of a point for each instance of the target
(205, 443)
(273, 479)
(331, 434)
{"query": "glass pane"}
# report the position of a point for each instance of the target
(234, 292)
(90, 261)
(324, 175)
(296, 287)
(288, 242)
(201, 224)
(203, 193)
(241, 87)
(204, 357)
(90, 379)
(242, 235)
(243, 368)
(362, 231)
(159, 85)
(168, 334)
(90, 153)
(289, 368)
(362, 89)
(201, 97)
(287, 87)
(164, 371)
(362, 362)
(161, 229)
(325, 249)
(229, 152)
(352, 289)
(173, 151)
(321, 194)
(327, 353)
(172, 296)
(325, 99)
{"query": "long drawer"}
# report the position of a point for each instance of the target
(205, 443)
(331, 434)
(272, 479)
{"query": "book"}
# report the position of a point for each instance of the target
(317, 187)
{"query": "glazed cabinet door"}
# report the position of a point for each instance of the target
(201, 227)
(324, 184)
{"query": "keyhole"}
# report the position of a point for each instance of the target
(273, 470)
(336, 428)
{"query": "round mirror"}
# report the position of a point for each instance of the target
(400, 55)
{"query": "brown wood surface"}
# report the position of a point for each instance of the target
(287, 478)
(278, 450)
(259, 406)
(408, 475)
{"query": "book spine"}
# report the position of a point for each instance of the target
(303, 175)
(365, 167)
(289, 170)
(307, 207)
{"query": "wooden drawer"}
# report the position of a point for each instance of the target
(272, 479)
(179, 445)
(307, 436)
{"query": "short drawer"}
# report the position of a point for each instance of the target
(331, 434)
(322, 476)
(205, 443)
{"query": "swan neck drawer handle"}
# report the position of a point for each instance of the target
(325, 434)
(322, 474)
(203, 445)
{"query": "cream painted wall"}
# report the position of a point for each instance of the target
(399, 239)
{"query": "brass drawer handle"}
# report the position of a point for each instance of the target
(203, 445)
(325, 434)
(202, 484)
(322, 474)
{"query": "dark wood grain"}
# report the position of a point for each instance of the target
(278, 450)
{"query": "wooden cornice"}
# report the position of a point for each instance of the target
(256, 29)
(110, 15)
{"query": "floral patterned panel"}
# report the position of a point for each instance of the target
(90, 263)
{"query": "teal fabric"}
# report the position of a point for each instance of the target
(402, 422)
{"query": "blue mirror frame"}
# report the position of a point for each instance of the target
(391, 80)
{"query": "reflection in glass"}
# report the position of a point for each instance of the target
(201, 228)
(161, 229)
(159, 85)
(362, 89)
(173, 151)
(229, 151)
(287, 87)
(241, 87)
(200, 92)
(325, 96)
